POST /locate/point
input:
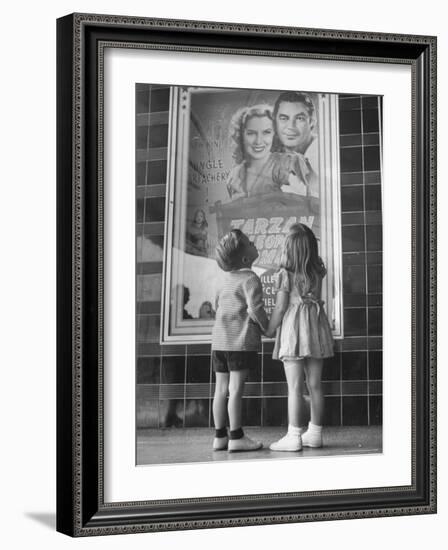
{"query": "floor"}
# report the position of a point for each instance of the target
(186, 445)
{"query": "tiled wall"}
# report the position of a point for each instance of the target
(175, 383)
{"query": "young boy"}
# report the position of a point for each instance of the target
(236, 337)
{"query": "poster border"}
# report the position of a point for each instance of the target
(81, 39)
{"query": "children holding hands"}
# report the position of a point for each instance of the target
(303, 336)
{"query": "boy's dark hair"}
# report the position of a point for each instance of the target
(228, 249)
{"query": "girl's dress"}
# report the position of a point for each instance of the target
(305, 330)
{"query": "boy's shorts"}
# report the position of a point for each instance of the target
(226, 361)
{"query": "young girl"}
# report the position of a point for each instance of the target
(303, 337)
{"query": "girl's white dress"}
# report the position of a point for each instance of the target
(305, 330)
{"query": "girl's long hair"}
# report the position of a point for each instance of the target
(300, 256)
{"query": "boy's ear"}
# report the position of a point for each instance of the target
(245, 260)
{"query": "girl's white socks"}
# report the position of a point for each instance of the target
(313, 436)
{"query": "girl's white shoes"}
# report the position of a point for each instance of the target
(313, 436)
(288, 443)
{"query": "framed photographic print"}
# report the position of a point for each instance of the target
(246, 275)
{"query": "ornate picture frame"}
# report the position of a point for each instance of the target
(82, 311)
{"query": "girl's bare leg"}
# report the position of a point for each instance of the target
(294, 371)
(313, 371)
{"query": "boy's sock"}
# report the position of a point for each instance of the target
(236, 434)
(221, 432)
(221, 440)
(313, 436)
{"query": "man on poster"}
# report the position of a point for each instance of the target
(295, 121)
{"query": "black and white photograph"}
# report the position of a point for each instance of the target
(258, 274)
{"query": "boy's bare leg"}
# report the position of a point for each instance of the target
(236, 391)
(220, 399)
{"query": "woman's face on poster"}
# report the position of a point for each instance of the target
(258, 135)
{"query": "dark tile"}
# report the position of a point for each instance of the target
(155, 209)
(372, 158)
(156, 172)
(375, 365)
(374, 234)
(355, 323)
(158, 136)
(371, 139)
(332, 367)
(151, 349)
(197, 413)
(352, 218)
(374, 300)
(350, 122)
(255, 371)
(140, 173)
(332, 411)
(375, 342)
(173, 370)
(376, 410)
(352, 179)
(354, 365)
(354, 300)
(198, 368)
(354, 258)
(148, 370)
(354, 411)
(251, 411)
(147, 408)
(142, 100)
(148, 307)
(370, 120)
(140, 210)
(353, 238)
(372, 177)
(199, 349)
(275, 411)
(268, 346)
(374, 278)
(171, 413)
(148, 328)
(352, 198)
(351, 159)
(354, 280)
(160, 100)
(354, 387)
(350, 140)
(373, 197)
(369, 102)
(375, 321)
(354, 343)
(141, 137)
(374, 258)
(349, 103)
(272, 370)
(374, 217)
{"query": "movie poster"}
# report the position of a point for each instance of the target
(256, 160)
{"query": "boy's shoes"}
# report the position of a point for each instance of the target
(312, 439)
(244, 444)
(220, 443)
(288, 443)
